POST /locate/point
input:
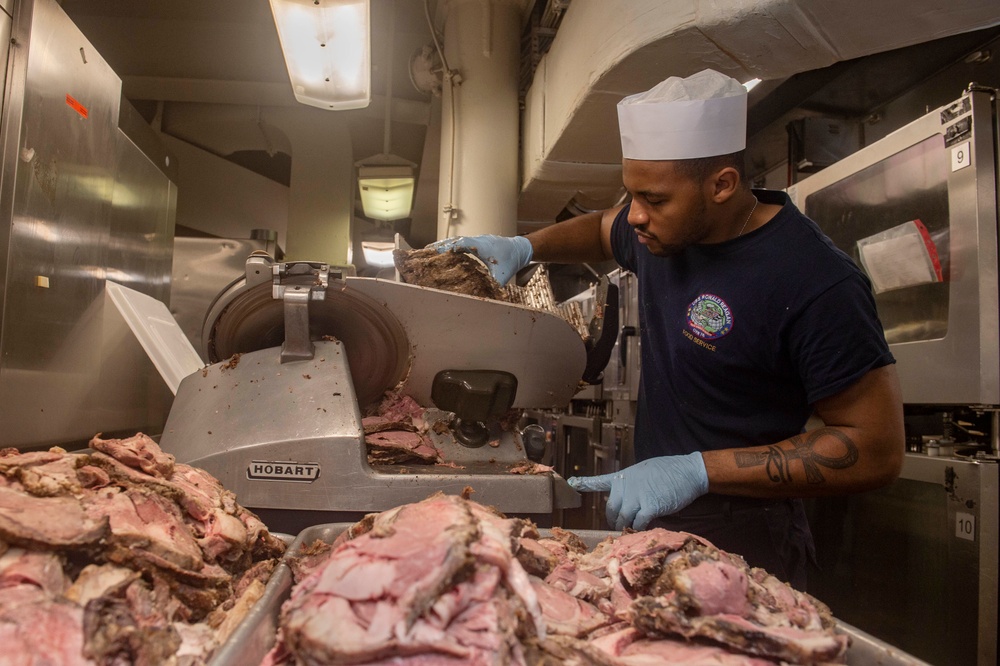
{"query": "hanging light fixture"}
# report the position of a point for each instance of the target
(386, 181)
(327, 48)
(386, 191)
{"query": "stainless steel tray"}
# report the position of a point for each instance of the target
(255, 636)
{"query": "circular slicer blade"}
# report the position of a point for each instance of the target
(374, 341)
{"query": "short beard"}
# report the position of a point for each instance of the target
(663, 250)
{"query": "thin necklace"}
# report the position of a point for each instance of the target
(743, 228)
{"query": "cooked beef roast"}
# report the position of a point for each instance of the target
(449, 581)
(457, 271)
(123, 556)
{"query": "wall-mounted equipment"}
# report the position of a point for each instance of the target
(327, 48)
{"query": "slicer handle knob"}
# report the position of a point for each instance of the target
(534, 441)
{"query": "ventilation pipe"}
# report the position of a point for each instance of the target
(478, 187)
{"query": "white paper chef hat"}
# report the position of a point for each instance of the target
(700, 116)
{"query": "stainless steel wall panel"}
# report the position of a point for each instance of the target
(77, 201)
(143, 210)
(6, 25)
(62, 186)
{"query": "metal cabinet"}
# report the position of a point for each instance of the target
(915, 563)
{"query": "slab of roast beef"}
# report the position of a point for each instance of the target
(456, 271)
(123, 556)
(449, 581)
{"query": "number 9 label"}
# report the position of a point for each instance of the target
(961, 156)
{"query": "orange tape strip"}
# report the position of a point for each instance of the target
(76, 106)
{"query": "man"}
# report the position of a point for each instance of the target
(751, 321)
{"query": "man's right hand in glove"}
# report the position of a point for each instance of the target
(652, 488)
(504, 255)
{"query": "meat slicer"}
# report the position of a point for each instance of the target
(300, 348)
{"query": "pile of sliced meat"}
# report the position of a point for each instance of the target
(449, 581)
(121, 556)
(396, 433)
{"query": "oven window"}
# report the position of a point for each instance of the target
(910, 185)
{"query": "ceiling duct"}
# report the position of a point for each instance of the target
(607, 49)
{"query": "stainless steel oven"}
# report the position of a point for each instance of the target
(918, 210)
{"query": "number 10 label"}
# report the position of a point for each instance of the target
(965, 526)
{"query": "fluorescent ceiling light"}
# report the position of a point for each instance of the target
(386, 191)
(327, 47)
(378, 253)
(751, 84)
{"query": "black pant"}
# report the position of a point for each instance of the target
(771, 534)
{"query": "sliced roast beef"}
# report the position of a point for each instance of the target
(146, 525)
(374, 424)
(572, 542)
(429, 582)
(535, 558)
(98, 580)
(226, 532)
(139, 452)
(42, 473)
(47, 522)
(565, 614)
(91, 476)
(24, 611)
(397, 407)
(41, 569)
(115, 636)
(260, 572)
(398, 447)
(580, 584)
(444, 581)
(678, 653)
(776, 603)
(705, 585)
(363, 603)
(118, 553)
(663, 616)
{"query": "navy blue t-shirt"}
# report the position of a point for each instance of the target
(740, 338)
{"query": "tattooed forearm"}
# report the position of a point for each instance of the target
(777, 461)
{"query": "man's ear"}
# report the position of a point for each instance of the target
(725, 184)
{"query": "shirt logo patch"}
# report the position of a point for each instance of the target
(709, 317)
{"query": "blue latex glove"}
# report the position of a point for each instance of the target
(647, 490)
(504, 255)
